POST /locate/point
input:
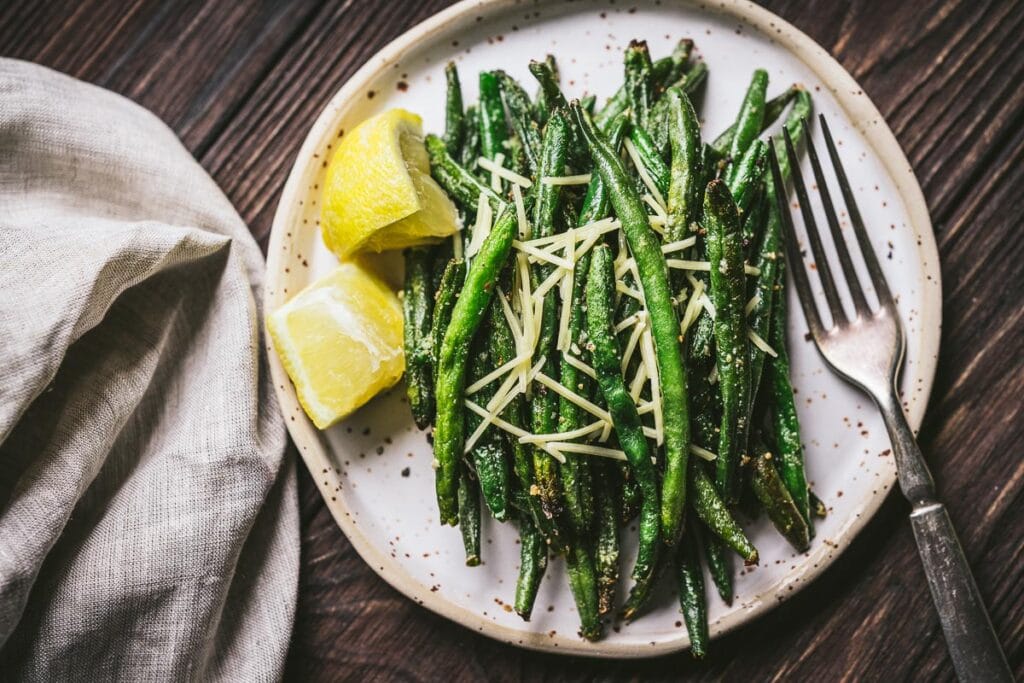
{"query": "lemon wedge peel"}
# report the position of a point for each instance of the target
(340, 341)
(378, 192)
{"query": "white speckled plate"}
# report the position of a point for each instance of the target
(374, 470)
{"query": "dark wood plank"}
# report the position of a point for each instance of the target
(192, 62)
(242, 82)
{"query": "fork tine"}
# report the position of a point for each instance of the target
(820, 260)
(868, 252)
(797, 267)
(859, 302)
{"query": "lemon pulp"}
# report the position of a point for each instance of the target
(340, 340)
(378, 193)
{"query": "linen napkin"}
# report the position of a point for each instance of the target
(148, 518)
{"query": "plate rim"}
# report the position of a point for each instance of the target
(312, 445)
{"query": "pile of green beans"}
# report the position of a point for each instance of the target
(722, 387)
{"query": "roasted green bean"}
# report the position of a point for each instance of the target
(418, 310)
(454, 117)
(728, 294)
(650, 262)
(493, 130)
(692, 597)
(686, 172)
(450, 374)
(776, 501)
(628, 428)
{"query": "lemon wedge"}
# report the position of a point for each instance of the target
(340, 340)
(378, 193)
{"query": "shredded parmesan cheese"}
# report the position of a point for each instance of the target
(556, 387)
(587, 449)
(499, 171)
(621, 286)
(495, 374)
(754, 301)
(678, 245)
(634, 338)
(681, 264)
(702, 452)
(581, 179)
(524, 223)
(578, 364)
(482, 228)
(644, 175)
(760, 343)
(541, 255)
(651, 361)
(564, 436)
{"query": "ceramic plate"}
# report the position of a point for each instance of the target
(374, 470)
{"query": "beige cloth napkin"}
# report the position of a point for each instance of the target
(148, 520)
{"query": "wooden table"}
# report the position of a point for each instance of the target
(241, 82)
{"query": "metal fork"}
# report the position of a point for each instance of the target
(867, 350)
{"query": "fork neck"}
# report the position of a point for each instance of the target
(915, 480)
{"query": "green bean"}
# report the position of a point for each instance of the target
(650, 157)
(650, 262)
(606, 559)
(692, 598)
(583, 583)
(686, 173)
(639, 82)
(588, 102)
(544, 405)
(463, 186)
(628, 428)
(751, 116)
(690, 83)
(773, 109)
(493, 130)
(418, 309)
(454, 117)
(516, 153)
(491, 453)
(728, 292)
(783, 404)
(677, 62)
(470, 151)
(701, 342)
(529, 500)
(755, 221)
(760, 316)
(575, 471)
(577, 479)
(521, 114)
(775, 498)
(533, 562)
(666, 71)
(444, 303)
(542, 107)
(716, 552)
(801, 111)
(745, 182)
(783, 407)
(818, 507)
(695, 77)
(702, 336)
(713, 512)
(548, 80)
(450, 374)
(630, 499)
(469, 517)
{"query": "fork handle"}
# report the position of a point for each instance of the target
(972, 642)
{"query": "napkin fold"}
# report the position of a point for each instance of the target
(148, 519)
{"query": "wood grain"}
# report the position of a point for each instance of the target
(242, 82)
